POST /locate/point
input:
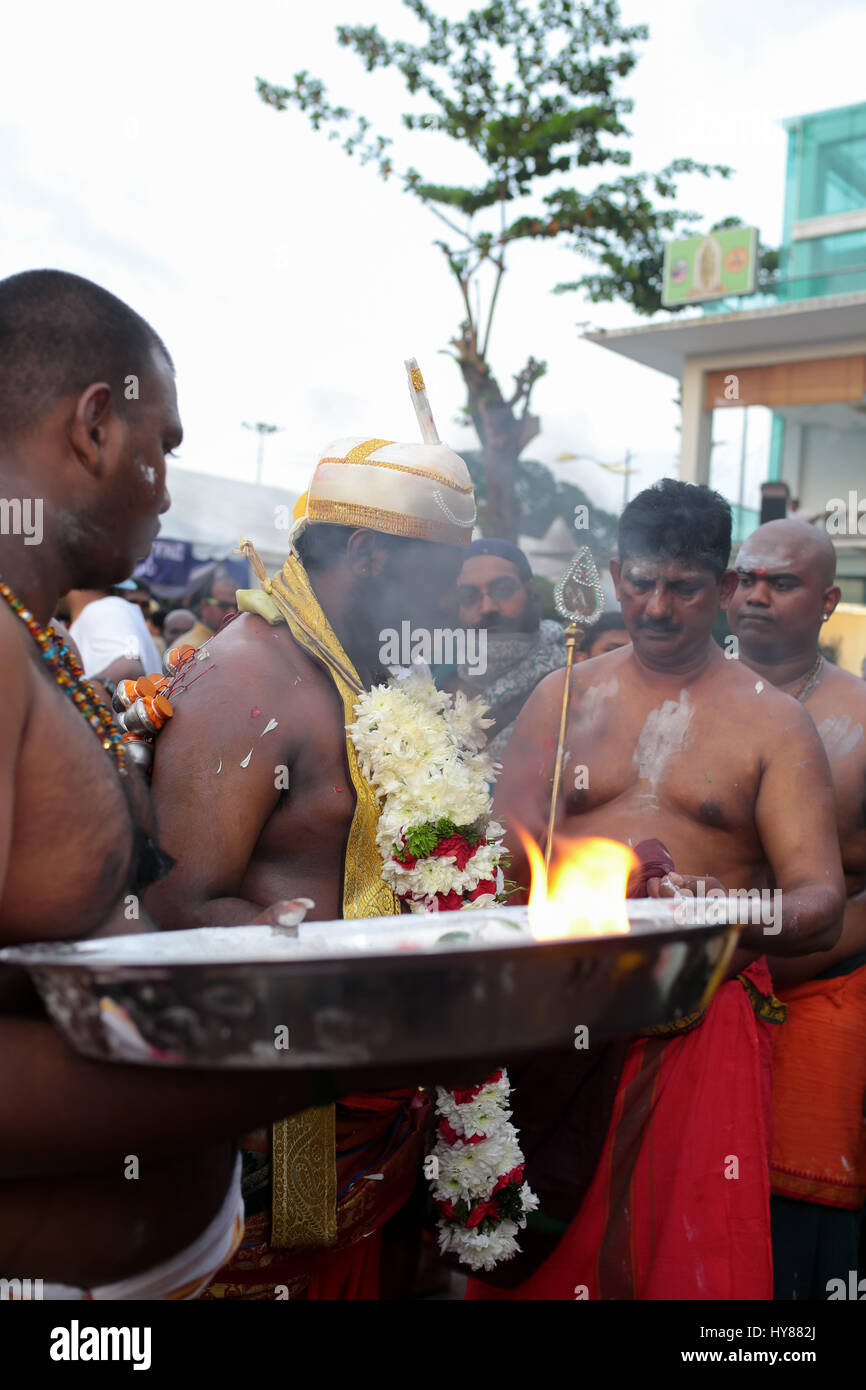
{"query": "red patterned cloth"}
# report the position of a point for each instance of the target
(679, 1204)
(381, 1133)
(679, 1207)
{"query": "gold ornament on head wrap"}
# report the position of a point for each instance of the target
(421, 491)
(418, 392)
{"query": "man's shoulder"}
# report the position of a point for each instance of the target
(106, 614)
(584, 674)
(112, 606)
(248, 664)
(138, 620)
(16, 671)
(772, 710)
(16, 646)
(250, 643)
(550, 685)
(848, 690)
(595, 666)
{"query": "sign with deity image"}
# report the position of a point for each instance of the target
(714, 266)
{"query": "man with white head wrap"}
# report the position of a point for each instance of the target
(260, 798)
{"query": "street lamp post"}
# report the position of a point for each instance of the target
(623, 468)
(261, 428)
(626, 474)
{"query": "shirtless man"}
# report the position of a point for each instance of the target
(250, 836)
(679, 743)
(254, 786)
(785, 593)
(72, 830)
(667, 738)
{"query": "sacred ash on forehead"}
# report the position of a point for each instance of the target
(641, 569)
(760, 561)
(422, 491)
(646, 569)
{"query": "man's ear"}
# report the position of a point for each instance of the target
(87, 430)
(366, 555)
(727, 588)
(615, 574)
(831, 598)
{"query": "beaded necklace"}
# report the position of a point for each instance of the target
(810, 681)
(70, 677)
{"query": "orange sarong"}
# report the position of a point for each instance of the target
(679, 1207)
(819, 1085)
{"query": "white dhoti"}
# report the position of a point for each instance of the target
(186, 1274)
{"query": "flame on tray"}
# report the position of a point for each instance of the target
(584, 894)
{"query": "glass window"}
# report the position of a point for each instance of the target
(828, 265)
(826, 165)
(841, 176)
(740, 461)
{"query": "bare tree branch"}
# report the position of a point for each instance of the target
(500, 271)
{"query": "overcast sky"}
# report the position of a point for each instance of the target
(289, 283)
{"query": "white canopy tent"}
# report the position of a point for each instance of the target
(213, 513)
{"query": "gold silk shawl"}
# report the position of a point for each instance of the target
(303, 1148)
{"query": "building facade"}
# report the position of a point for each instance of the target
(773, 387)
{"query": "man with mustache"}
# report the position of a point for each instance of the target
(668, 738)
(495, 594)
(786, 592)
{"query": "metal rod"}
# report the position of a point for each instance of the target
(732, 936)
(573, 635)
(742, 496)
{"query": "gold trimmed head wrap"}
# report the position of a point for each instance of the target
(423, 491)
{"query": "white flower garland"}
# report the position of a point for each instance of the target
(423, 753)
(482, 1199)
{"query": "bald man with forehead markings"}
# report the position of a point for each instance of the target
(785, 593)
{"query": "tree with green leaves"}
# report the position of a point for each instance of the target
(531, 87)
(541, 498)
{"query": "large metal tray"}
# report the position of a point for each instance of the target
(372, 991)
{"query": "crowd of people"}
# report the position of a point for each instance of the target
(720, 1156)
(123, 632)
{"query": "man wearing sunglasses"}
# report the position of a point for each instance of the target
(213, 603)
(495, 593)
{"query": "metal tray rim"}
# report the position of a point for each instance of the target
(45, 955)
